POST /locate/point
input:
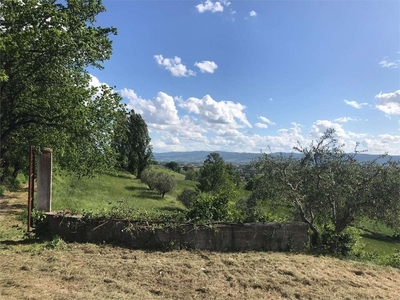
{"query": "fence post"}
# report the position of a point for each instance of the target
(44, 180)
(31, 186)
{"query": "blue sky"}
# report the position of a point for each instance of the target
(247, 75)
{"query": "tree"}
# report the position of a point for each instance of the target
(140, 151)
(46, 96)
(149, 177)
(187, 197)
(327, 186)
(174, 166)
(159, 181)
(191, 174)
(214, 174)
(164, 183)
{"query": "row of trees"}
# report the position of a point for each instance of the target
(46, 96)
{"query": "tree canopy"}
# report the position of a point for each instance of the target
(47, 99)
(215, 175)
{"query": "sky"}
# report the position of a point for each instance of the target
(251, 76)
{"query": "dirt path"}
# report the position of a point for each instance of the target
(55, 270)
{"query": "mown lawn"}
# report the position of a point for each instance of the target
(35, 269)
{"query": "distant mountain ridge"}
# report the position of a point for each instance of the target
(239, 157)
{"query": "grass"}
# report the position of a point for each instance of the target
(105, 190)
(377, 237)
(34, 269)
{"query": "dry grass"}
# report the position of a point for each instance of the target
(55, 270)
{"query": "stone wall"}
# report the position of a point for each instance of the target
(159, 236)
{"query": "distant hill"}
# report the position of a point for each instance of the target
(238, 157)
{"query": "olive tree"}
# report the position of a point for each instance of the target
(329, 186)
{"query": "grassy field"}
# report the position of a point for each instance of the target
(377, 237)
(106, 190)
(32, 269)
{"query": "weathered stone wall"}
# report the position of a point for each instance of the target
(217, 237)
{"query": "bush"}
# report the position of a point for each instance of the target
(192, 174)
(212, 207)
(187, 197)
(3, 190)
(340, 244)
(174, 166)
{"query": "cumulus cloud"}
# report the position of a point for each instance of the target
(161, 110)
(213, 7)
(206, 66)
(252, 13)
(174, 65)
(216, 112)
(389, 102)
(355, 104)
(261, 125)
(177, 124)
(386, 63)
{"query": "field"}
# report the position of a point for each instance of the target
(32, 269)
(106, 190)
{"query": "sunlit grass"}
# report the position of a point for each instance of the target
(107, 190)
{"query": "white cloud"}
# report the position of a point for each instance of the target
(94, 81)
(261, 125)
(206, 66)
(214, 112)
(174, 65)
(345, 119)
(161, 110)
(266, 120)
(208, 5)
(386, 63)
(355, 104)
(252, 13)
(390, 102)
(193, 124)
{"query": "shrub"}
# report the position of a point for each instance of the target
(187, 197)
(192, 174)
(340, 244)
(3, 190)
(213, 206)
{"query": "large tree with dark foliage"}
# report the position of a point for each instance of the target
(46, 97)
(132, 143)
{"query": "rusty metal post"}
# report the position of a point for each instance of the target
(31, 187)
(44, 180)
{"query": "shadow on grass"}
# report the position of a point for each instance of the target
(137, 188)
(27, 241)
(171, 209)
(379, 236)
(147, 194)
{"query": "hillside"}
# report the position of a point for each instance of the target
(238, 157)
(34, 269)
